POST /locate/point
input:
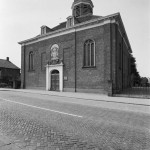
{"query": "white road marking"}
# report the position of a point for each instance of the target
(43, 108)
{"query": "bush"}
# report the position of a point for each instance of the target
(2, 85)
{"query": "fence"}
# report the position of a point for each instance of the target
(137, 92)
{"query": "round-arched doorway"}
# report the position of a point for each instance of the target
(55, 80)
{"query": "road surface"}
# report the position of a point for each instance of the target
(43, 122)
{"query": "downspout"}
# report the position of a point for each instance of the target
(75, 61)
(111, 81)
(24, 68)
(116, 53)
(23, 65)
(122, 63)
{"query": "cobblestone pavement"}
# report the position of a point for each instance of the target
(33, 128)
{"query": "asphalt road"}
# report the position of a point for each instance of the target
(41, 122)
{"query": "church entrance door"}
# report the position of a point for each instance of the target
(55, 80)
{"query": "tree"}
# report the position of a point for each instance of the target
(136, 76)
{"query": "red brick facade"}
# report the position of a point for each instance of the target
(111, 72)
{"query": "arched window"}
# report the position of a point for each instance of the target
(89, 54)
(31, 61)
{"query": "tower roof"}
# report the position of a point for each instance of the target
(76, 2)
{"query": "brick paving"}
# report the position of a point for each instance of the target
(99, 129)
(32, 134)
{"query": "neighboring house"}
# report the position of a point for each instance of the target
(9, 73)
(87, 53)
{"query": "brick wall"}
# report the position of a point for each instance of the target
(37, 77)
(96, 79)
(114, 58)
(91, 79)
(122, 73)
(11, 73)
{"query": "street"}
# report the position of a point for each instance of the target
(44, 122)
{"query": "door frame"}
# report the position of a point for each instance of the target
(49, 69)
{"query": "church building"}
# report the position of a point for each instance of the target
(85, 53)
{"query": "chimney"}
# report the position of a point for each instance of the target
(70, 22)
(45, 29)
(7, 58)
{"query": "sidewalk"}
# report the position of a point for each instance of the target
(86, 96)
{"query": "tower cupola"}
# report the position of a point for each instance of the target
(81, 8)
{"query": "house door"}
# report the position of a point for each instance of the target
(55, 80)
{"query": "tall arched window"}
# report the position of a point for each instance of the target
(31, 61)
(89, 54)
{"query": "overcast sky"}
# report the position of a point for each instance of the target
(22, 19)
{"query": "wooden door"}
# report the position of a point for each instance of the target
(55, 80)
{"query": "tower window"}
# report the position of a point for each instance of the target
(86, 9)
(77, 11)
(82, 9)
(89, 54)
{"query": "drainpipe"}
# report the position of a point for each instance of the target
(122, 63)
(24, 68)
(75, 61)
(111, 82)
(23, 65)
(116, 48)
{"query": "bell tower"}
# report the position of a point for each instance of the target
(82, 8)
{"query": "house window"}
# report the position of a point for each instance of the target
(31, 61)
(89, 54)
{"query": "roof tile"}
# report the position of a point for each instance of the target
(7, 64)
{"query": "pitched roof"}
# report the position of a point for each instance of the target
(83, 19)
(7, 64)
(87, 18)
(60, 26)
